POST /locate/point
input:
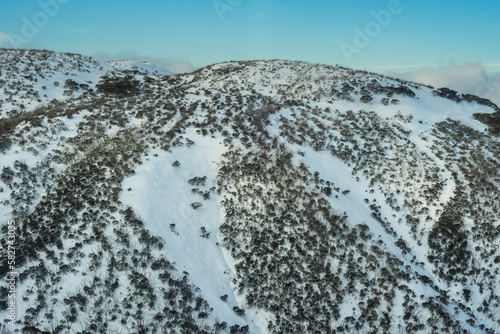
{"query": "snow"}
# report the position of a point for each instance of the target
(140, 66)
(161, 195)
(332, 169)
(49, 76)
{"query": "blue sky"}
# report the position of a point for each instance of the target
(201, 32)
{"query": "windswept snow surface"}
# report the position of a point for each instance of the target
(160, 194)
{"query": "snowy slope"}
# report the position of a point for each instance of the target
(142, 67)
(317, 198)
(31, 78)
(161, 195)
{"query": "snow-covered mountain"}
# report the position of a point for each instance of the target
(144, 67)
(30, 78)
(245, 197)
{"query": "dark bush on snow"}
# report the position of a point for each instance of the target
(125, 86)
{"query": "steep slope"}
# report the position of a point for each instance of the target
(261, 197)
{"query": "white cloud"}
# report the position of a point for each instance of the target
(464, 78)
(171, 64)
(5, 39)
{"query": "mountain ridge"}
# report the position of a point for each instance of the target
(323, 198)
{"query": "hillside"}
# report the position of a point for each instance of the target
(245, 197)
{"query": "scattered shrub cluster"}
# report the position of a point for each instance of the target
(298, 256)
(300, 259)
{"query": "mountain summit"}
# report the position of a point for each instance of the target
(245, 197)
